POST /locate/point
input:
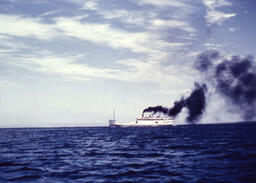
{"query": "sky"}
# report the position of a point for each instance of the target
(71, 62)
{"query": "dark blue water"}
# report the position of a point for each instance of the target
(202, 153)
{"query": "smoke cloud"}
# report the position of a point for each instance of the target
(234, 79)
(156, 109)
(195, 104)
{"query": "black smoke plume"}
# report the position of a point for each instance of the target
(195, 104)
(156, 109)
(233, 78)
(205, 60)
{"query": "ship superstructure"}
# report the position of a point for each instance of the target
(154, 121)
(112, 122)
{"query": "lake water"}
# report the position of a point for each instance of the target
(192, 153)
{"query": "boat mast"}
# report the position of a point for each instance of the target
(114, 117)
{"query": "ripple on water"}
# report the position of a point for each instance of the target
(207, 153)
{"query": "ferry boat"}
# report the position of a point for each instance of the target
(143, 121)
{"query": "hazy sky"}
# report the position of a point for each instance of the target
(70, 62)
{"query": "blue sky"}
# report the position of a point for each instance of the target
(70, 62)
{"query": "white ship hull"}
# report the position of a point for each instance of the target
(145, 122)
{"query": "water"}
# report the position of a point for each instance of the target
(202, 153)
